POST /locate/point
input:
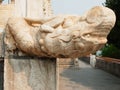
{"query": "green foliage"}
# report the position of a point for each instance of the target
(111, 51)
(114, 35)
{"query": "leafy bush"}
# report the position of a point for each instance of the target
(109, 50)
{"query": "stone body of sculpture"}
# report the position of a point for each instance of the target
(62, 35)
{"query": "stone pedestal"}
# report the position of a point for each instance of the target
(27, 73)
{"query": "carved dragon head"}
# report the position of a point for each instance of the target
(86, 35)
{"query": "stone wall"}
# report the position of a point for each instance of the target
(109, 64)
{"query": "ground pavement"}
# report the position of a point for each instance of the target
(87, 78)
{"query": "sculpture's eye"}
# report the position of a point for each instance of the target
(87, 35)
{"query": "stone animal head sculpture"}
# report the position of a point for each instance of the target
(62, 35)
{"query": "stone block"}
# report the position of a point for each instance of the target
(2, 46)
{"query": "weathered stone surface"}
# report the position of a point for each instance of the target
(60, 36)
(6, 11)
(30, 74)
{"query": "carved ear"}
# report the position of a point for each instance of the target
(95, 16)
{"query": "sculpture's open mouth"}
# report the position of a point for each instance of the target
(61, 36)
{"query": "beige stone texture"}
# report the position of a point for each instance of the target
(63, 36)
(30, 74)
